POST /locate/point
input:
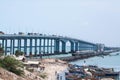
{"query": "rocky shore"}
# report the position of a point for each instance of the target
(85, 55)
(91, 72)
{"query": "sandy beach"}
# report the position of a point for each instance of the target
(53, 68)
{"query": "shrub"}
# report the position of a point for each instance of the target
(12, 65)
(18, 52)
(1, 51)
(43, 75)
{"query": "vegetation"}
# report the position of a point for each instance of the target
(12, 65)
(18, 53)
(43, 75)
(1, 51)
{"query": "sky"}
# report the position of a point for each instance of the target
(96, 21)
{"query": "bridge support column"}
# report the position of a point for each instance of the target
(63, 47)
(56, 48)
(96, 48)
(44, 46)
(18, 44)
(47, 46)
(6, 47)
(79, 46)
(76, 46)
(2, 43)
(30, 47)
(25, 46)
(72, 47)
(40, 48)
(35, 47)
(11, 46)
(51, 46)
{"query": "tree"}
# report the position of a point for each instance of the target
(18, 53)
(12, 65)
(1, 51)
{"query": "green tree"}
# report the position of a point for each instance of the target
(12, 65)
(1, 51)
(18, 53)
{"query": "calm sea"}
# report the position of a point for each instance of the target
(110, 61)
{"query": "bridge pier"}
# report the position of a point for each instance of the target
(63, 47)
(18, 44)
(11, 44)
(3, 43)
(35, 47)
(56, 46)
(47, 46)
(40, 47)
(5, 46)
(72, 47)
(30, 47)
(76, 46)
(25, 46)
(51, 49)
(43, 46)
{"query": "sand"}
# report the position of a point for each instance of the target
(53, 68)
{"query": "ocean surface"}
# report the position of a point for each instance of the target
(109, 61)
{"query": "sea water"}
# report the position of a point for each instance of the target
(109, 61)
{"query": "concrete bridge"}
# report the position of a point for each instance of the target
(38, 44)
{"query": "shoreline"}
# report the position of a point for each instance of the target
(53, 65)
(54, 68)
(85, 56)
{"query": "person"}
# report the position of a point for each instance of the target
(84, 63)
(55, 72)
(23, 59)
